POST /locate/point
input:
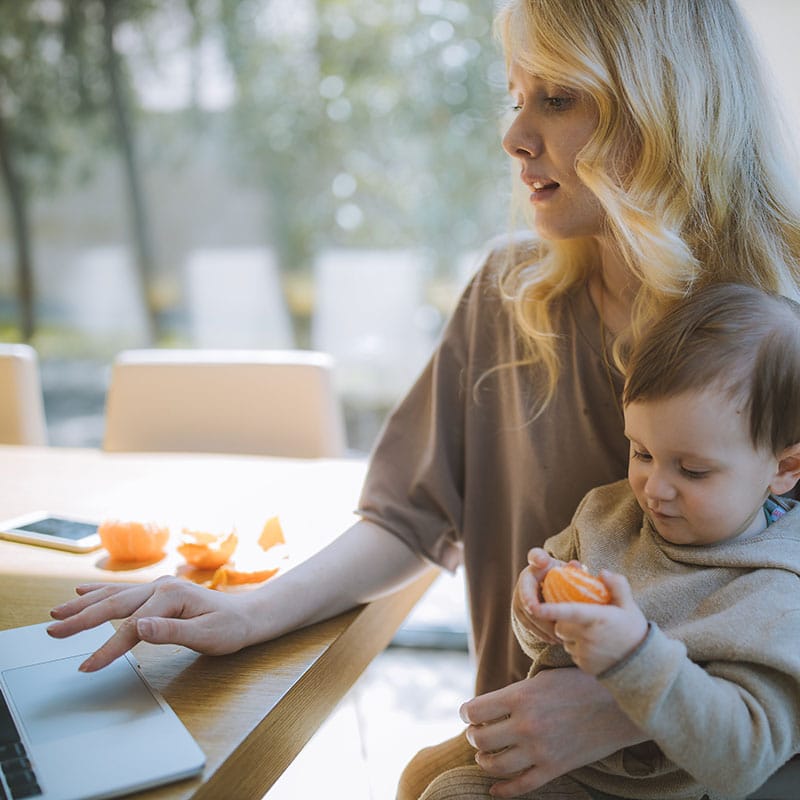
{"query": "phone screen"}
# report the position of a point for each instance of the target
(63, 528)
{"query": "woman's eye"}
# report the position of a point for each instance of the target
(558, 102)
(515, 107)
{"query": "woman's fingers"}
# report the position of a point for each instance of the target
(485, 708)
(503, 763)
(165, 611)
(98, 605)
(117, 645)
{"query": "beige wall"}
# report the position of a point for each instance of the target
(776, 25)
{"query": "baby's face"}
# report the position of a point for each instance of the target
(693, 467)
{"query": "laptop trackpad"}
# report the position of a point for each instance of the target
(56, 701)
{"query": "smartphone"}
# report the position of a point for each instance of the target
(49, 530)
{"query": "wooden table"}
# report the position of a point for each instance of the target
(250, 712)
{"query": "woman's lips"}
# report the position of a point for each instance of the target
(542, 190)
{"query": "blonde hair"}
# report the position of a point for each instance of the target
(685, 159)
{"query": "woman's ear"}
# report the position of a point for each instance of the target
(788, 473)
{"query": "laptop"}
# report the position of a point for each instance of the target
(69, 735)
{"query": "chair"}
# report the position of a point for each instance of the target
(258, 402)
(22, 418)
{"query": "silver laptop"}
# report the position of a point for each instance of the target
(69, 735)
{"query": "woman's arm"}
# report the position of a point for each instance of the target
(365, 562)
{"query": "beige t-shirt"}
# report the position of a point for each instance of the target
(463, 474)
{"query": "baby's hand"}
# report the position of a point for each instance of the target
(598, 636)
(527, 599)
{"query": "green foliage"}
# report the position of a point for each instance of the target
(367, 123)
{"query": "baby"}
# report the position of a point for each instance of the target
(700, 644)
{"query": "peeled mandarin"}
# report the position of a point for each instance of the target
(574, 584)
(133, 541)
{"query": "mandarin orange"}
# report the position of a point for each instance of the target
(574, 584)
(133, 541)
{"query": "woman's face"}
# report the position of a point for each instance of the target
(552, 125)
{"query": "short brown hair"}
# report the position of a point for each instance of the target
(736, 338)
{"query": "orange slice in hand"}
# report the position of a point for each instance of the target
(133, 541)
(207, 550)
(573, 584)
(228, 576)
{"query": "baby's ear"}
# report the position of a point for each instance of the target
(788, 472)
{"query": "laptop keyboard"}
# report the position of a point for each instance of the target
(18, 779)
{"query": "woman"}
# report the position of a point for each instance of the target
(647, 148)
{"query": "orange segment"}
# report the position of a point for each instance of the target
(574, 584)
(228, 576)
(271, 534)
(133, 541)
(207, 550)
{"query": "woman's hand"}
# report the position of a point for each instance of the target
(168, 610)
(527, 600)
(598, 636)
(363, 563)
(535, 730)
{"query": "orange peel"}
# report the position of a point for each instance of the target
(271, 534)
(207, 550)
(229, 576)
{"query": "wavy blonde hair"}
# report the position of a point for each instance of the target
(686, 159)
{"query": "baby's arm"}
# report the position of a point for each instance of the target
(729, 724)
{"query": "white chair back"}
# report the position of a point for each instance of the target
(261, 402)
(22, 418)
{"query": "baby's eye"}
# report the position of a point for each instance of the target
(694, 474)
(640, 455)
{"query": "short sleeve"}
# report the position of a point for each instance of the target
(415, 483)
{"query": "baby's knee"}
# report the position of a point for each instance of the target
(460, 783)
(430, 762)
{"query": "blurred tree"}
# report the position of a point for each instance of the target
(114, 14)
(61, 74)
(31, 100)
(367, 123)
(92, 29)
(413, 77)
(278, 124)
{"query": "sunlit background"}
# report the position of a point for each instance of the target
(254, 173)
(243, 173)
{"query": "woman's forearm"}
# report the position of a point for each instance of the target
(364, 563)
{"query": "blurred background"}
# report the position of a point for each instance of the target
(255, 173)
(243, 173)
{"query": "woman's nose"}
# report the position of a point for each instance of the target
(520, 141)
